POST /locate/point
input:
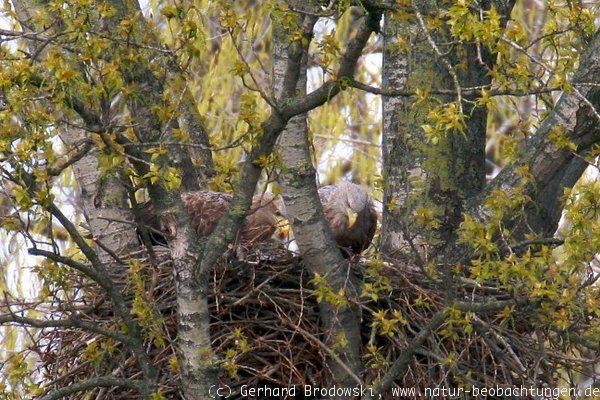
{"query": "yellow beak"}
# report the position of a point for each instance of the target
(351, 217)
(283, 228)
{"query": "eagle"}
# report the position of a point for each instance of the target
(207, 207)
(351, 215)
(349, 211)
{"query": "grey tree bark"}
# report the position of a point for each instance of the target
(421, 175)
(317, 247)
(554, 168)
(104, 200)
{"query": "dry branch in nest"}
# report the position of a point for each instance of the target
(265, 329)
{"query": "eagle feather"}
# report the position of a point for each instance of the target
(207, 207)
(339, 203)
(349, 211)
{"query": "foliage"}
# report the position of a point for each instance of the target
(111, 82)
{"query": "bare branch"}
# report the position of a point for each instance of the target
(400, 365)
(102, 381)
(71, 322)
(469, 91)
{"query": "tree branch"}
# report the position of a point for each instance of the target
(400, 365)
(319, 251)
(468, 91)
(553, 168)
(71, 322)
(102, 381)
(271, 128)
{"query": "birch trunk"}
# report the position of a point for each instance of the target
(311, 232)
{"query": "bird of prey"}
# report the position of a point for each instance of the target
(351, 215)
(207, 207)
(348, 210)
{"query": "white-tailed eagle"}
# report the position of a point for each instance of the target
(351, 215)
(207, 207)
(347, 207)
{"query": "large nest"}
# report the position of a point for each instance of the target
(265, 328)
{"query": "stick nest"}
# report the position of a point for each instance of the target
(266, 331)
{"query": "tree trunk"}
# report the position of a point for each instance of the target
(198, 364)
(201, 167)
(104, 202)
(554, 168)
(427, 181)
(319, 251)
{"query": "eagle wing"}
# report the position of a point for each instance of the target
(206, 208)
(262, 219)
(334, 214)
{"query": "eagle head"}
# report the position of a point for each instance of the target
(354, 198)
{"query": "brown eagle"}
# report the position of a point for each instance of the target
(347, 207)
(351, 215)
(206, 208)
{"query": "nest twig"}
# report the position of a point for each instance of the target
(265, 328)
